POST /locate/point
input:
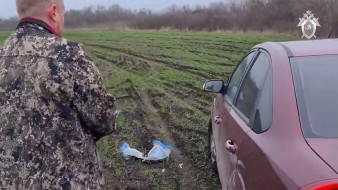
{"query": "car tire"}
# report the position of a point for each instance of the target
(212, 149)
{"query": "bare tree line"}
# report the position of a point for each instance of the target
(247, 15)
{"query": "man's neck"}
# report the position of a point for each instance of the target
(39, 22)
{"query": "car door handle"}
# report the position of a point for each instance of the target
(231, 146)
(218, 120)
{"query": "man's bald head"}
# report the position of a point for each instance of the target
(35, 8)
(50, 11)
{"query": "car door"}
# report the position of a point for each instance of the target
(254, 100)
(227, 125)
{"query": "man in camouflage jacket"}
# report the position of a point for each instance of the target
(53, 106)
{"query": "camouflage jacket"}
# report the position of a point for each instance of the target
(53, 106)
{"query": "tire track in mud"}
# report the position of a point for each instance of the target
(107, 61)
(176, 66)
(126, 62)
(198, 104)
(192, 95)
(148, 63)
(156, 124)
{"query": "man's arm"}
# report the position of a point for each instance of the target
(94, 105)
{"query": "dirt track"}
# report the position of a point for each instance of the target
(178, 173)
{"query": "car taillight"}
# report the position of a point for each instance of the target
(323, 185)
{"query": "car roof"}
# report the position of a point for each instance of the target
(310, 47)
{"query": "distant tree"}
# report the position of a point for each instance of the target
(236, 15)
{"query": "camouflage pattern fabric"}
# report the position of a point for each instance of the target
(53, 107)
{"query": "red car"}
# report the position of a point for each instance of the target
(275, 124)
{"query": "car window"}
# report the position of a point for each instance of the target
(263, 114)
(253, 82)
(315, 79)
(237, 77)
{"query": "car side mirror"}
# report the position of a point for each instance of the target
(214, 86)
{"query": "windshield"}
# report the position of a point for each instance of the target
(316, 85)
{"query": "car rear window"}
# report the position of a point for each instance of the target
(316, 85)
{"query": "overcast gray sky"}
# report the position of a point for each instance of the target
(7, 8)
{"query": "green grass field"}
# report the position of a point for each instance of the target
(157, 79)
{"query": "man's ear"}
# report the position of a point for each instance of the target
(52, 12)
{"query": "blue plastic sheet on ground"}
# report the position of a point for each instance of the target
(128, 152)
(159, 152)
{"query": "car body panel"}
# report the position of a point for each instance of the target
(216, 110)
(312, 47)
(279, 158)
(234, 130)
(284, 139)
(237, 181)
(326, 148)
(230, 128)
(256, 168)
